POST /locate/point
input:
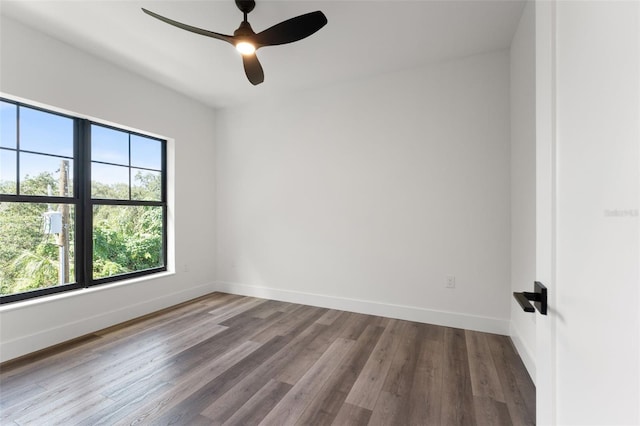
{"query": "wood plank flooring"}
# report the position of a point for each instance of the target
(231, 360)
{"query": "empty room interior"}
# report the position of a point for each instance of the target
(390, 213)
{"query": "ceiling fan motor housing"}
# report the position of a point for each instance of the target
(244, 30)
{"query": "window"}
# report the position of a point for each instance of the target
(81, 203)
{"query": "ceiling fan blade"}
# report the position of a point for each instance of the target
(253, 69)
(224, 37)
(291, 30)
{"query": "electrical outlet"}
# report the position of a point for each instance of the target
(451, 281)
(185, 267)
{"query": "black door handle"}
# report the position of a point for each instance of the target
(539, 297)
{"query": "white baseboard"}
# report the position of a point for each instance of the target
(524, 351)
(60, 333)
(410, 313)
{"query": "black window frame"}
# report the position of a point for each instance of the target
(84, 205)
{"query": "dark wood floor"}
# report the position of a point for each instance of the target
(226, 359)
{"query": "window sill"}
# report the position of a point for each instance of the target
(81, 292)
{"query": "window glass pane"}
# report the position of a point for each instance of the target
(37, 249)
(45, 132)
(126, 239)
(8, 122)
(109, 145)
(146, 152)
(109, 182)
(7, 171)
(146, 185)
(38, 173)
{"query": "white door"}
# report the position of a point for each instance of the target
(588, 191)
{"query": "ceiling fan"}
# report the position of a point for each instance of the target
(247, 41)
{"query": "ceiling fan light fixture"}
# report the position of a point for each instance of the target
(245, 48)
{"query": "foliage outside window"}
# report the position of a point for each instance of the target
(80, 203)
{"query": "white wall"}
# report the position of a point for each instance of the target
(367, 194)
(523, 180)
(37, 68)
(597, 279)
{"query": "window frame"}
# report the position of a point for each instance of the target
(84, 205)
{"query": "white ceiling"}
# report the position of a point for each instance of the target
(362, 38)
